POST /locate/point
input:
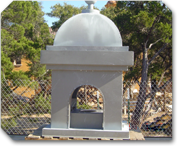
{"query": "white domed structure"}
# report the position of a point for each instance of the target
(87, 50)
(88, 29)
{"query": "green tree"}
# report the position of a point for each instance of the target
(147, 28)
(13, 31)
(63, 12)
(24, 34)
(41, 38)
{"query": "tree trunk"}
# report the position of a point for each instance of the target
(142, 92)
(43, 90)
(151, 95)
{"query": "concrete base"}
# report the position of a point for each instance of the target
(88, 133)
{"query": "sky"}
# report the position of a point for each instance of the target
(47, 4)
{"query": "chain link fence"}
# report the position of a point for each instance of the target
(149, 107)
(26, 105)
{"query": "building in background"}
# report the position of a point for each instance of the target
(111, 4)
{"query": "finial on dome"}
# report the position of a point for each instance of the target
(90, 7)
(90, 4)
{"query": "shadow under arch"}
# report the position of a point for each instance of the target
(86, 108)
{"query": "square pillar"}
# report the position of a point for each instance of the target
(100, 68)
(113, 103)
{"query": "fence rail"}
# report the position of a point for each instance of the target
(26, 105)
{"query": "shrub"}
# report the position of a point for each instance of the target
(82, 106)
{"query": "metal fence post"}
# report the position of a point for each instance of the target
(85, 94)
(128, 97)
(97, 99)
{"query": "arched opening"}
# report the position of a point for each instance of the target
(86, 108)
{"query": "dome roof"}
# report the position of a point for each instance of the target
(88, 29)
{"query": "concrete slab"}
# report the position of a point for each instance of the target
(89, 133)
(133, 134)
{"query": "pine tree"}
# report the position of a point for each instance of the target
(24, 34)
(146, 27)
